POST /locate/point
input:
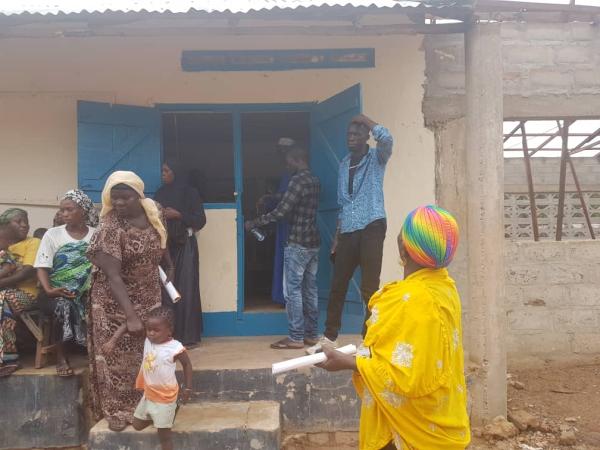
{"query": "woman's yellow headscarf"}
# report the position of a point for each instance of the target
(134, 182)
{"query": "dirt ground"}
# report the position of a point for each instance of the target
(564, 396)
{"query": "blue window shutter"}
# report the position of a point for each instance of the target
(117, 137)
(329, 124)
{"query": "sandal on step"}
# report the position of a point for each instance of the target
(8, 369)
(64, 370)
(116, 425)
(311, 341)
(287, 343)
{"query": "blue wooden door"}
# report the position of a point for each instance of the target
(329, 123)
(117, 137)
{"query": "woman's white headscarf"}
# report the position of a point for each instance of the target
(134, 182)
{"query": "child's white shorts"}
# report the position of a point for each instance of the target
(161, 414)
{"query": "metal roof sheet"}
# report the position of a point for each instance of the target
(12, 7)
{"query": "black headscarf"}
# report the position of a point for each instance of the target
(173, 195)
(181, 196)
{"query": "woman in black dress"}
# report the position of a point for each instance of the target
(184, 212)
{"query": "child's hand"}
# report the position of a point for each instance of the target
(184, 395)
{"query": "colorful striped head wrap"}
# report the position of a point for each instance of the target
(430, 236)
(10, 214)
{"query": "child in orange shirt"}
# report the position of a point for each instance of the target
(157, 377)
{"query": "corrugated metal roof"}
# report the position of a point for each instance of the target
(10, 7)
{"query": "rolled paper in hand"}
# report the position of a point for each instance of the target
(169, 286)
(309, 360)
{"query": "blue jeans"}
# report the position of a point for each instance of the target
(300, 291)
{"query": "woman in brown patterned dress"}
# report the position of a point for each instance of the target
(126, 250)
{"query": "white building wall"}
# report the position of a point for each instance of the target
(42, 79)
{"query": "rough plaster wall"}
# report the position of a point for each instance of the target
(553, 298)
(538, 59)
(546, 174)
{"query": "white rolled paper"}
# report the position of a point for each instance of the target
(309, 360)
(169, 286)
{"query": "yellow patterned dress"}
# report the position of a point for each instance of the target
(410, 366)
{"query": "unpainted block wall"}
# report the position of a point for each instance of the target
(538, 59)
(546, 173)
(552, 288)
(553, 298)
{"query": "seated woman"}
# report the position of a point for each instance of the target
(63, 270)
(409, 371)
(18, 291)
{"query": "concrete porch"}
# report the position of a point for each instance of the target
(232, 378)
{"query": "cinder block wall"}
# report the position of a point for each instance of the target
(553, 298)
(552, 288)
(539, 59)
(546, 172)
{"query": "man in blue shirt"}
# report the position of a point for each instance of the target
(362, 220)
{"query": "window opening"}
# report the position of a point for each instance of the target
(203, 143)
(551, 168)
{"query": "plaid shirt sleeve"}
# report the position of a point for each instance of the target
(290, 199)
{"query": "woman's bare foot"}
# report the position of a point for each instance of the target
(63, 369)
(115, 424)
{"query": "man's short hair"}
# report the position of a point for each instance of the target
(298, 153)
(364, 127)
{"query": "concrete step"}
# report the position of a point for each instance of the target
(239, 369)
(208, 426)
(311, 399)
(39, 409)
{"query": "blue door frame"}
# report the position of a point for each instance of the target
(240, 323)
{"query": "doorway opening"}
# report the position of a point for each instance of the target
(203, 144)
(263, 170)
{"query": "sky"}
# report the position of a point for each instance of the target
(16, 6)
(546, 128)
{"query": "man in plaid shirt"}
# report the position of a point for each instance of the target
(301, 255)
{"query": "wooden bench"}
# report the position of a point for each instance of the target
(40, 327)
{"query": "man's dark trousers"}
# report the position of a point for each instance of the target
(364, 249)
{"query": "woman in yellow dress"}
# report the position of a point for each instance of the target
(18, 290)
(409, 371)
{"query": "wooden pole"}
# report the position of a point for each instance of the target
(586, 213)
(563, 178)
(534, 221)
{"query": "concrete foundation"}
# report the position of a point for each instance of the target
(42, 410)
(311, 400)
(230, 369)
(236, 400)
